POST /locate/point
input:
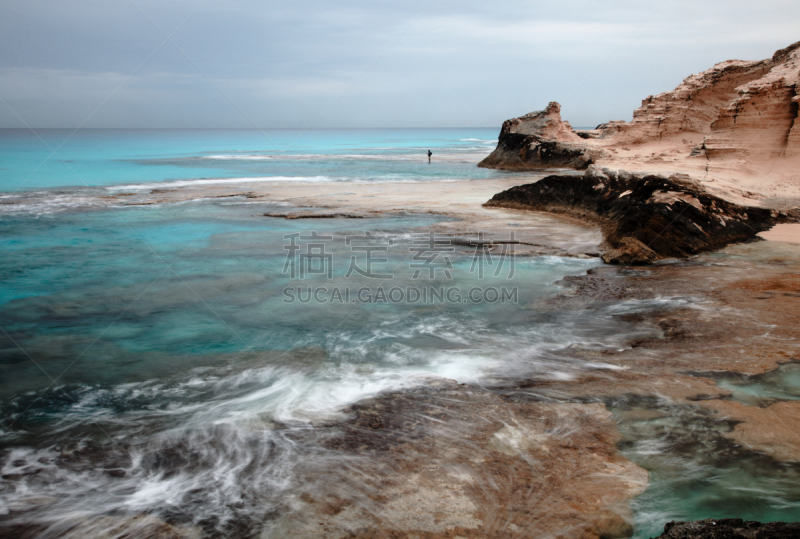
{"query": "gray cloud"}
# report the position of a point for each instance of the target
(290, 64)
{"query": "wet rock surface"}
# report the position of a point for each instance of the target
(735, 312)
(108, 527)
(551, 457)
(645, 218)
(547, 457)
(514, 459)
(774, 430)
(453, 460)
(730, 528)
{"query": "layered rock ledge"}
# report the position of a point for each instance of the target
(645, 218)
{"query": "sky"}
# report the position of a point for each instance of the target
(321, 64)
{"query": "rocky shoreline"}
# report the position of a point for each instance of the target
(540, 140)
(531, 454)
(733, 130)
(735, 120)
(537, 456)
(708, 165)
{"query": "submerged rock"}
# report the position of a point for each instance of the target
(645, 218)
(730, 528)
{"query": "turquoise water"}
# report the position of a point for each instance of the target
(697, 473)
(127, 289)
(782, 383)
(99, 157)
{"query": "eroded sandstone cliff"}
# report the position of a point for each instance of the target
(734, 124)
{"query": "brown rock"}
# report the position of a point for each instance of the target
(458, 461)
(775, 430)
(540, 140)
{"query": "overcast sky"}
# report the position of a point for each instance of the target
(410, 63)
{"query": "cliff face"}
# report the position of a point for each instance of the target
(761, 119)
(546, 124)
(714, 161)
(692, 107)
(736, 111)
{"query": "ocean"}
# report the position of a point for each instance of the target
(104, 157)
(153, 362)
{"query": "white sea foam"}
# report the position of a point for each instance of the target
(658, 302)
(214, 181)
(240, 156)
(415, 156)
(212, 427)
(50, 202)
(46, 203)
(217, 425)
(268, 179)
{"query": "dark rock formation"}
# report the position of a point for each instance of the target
(730, 528)
(540, 140)
(645, 218)
(529, 152)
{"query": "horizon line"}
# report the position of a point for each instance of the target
(245, 128)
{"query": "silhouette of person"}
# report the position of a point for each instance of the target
(429, 156)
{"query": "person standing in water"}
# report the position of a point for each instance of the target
(429, 156)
